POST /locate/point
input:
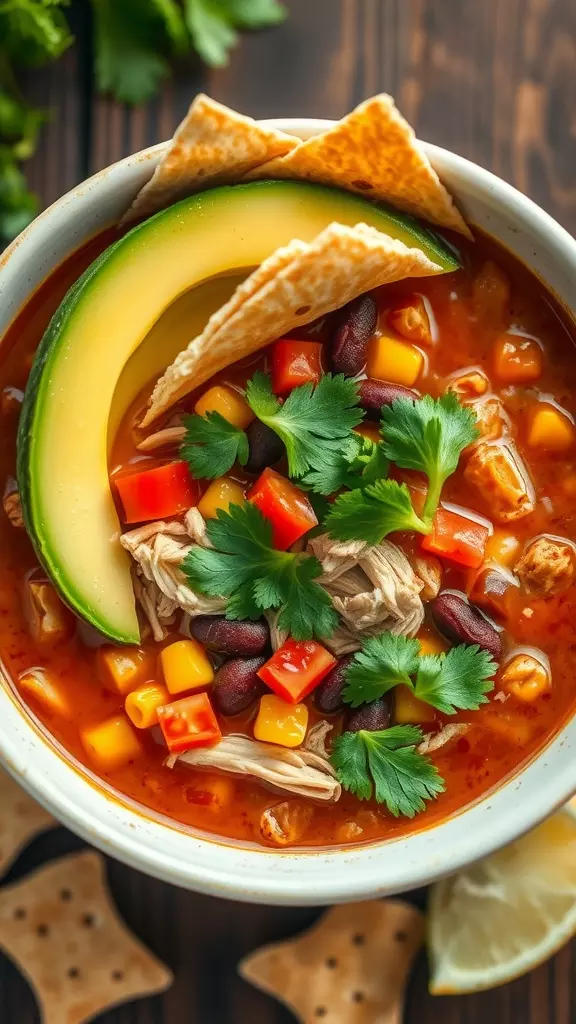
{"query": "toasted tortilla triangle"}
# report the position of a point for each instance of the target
(295, 285)
(212, 146)
(372, 151)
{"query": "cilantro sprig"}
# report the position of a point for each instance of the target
(212, 445)
(386, 764)
(364, 463)
(457, 680)
(246, 569)
(315, 423)
(372, 512)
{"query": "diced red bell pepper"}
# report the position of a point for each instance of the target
(295, 363)
(155, 493)
(189, 723)
(457, 538)
(296, 668)
(285, 505)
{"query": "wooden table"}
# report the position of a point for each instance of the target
(493, 80)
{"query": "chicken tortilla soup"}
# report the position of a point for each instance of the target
(289, 469)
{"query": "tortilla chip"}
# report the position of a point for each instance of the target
(372, 151)
(21, 819)
(294, 286)
(212, 146)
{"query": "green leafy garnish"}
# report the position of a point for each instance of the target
(212, 445)
(458, 680)
(428, 435)
(388, 765)
(245, 568)
(315, 423)
(373, 512)
(364, 463)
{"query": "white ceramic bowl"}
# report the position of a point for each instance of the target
(156, 846)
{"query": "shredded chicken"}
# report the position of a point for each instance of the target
(161, 587)
(295, 771)
(277, 636)
(12, 503)
(372, 587)
(436, 740)
(497, 471)
(548, 566)
(162, 439)
(428, 570)
(316, 739)
(490, 419)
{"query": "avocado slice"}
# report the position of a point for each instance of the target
(62, 441)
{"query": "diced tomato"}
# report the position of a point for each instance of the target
(296, 668)
(295, 363)
(285, 505)
(155, 493)
(189, 723)
(457, 538)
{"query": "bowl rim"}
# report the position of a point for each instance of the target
(252, 874)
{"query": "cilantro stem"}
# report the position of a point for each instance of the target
(432, 501)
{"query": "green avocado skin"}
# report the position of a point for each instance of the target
(36, 396)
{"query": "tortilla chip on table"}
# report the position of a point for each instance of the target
(21, 820)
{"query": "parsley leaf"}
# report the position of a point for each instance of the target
(387, 764)
(456, 680)
(212, 445)
(428, 435)
(383, 662)
(372, 513)
(245, 568)
(315, 423)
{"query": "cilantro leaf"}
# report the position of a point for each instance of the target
(383, 662)
(456, 680)
(387, 764)
(372, 513)
(212, 30)
(33, 31)
(254, 14)
(428, 435)
(255, 577)
(212, 445)
(364, 464)
(315, 423)
(134, 38)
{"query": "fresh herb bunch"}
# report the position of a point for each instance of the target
(255, 577)
(134, 43)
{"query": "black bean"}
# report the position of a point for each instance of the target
(236, 685)
(264, 447)
(462, 623)
(218, 633)
(349, 345)
(376, 393)
(373, 716)
(328, 695)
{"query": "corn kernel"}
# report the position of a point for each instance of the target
(142, 704)
(112, 744)
(551, 429)
(408, 709)
(43, 687)
(280, 722)
(122, 669)
(228, 402)
(502, 547)
(220, 494)
(394, 361)
(186, 666)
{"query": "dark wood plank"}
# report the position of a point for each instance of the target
(493, 81)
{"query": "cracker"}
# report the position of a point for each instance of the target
(21, 819)
(212, 146)
(351, 967)
(294, 286)
(61, 929)
(374, 152)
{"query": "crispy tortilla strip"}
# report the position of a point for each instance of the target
(212, 146)
(372, 151)
(295, 285)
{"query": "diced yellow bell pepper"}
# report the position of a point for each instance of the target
(502, 547)
(280, 722)
(40, 685)
(142, 704)
(551, 429)
(221, 493)
(112, 744)
(216, 793)
(431, 644)
(186, 666)
(122, 669)
(394, 361)
(228, 402)
(369, 430)
(408, 710)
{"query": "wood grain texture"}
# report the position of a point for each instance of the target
(493, 80)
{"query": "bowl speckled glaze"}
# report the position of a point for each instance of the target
(156, 845)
